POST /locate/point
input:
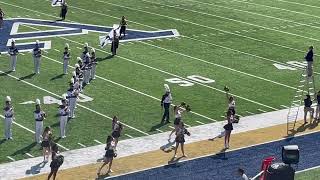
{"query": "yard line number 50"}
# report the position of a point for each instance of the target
(186, 83)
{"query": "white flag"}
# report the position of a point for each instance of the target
(104, 40)
(57, 3)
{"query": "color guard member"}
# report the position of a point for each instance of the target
(8, 118)
(39, 116)
(13, 52)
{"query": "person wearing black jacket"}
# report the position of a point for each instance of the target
(64, 11)
(165, 104)
(309, 59)
(308, 108)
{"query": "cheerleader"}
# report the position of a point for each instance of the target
(228, 128)
(178, 110)
(45, 144)
(109, 155)
(180, 132)
(116, 129)
(123, 26)
(8, 118)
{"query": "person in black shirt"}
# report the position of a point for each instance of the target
(64, 10)
(109, 155)
(1, 18)
(165, 104)
(308, 108)
(318, 106)
(114, 43)
(309, 59)
(123, 26)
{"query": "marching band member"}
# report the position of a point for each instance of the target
(116, 129)
(165, 104)
(94, 63)
(66, 58)
(64, 114)
(123, 26)
(37, 53)
(8, 118)
(39, 116)
(84, 54)
(13, 52)
(72, 95)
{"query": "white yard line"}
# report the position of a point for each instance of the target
(129, 135)
(79, 48)
(262, 110)
(200, 122)
(81, 145)
(171, 127)
(251, 113)
(159, 130)
(97, 141)
(28, 154)
(284, 106)
(57, 50)
(11, 158)
(300, 4)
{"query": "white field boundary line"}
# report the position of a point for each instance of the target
(25, 128)
(82, 145)
(165, 71)
(308, 169)
(218, 65)
(300, 4)
(139, 92)
(28, 154)
(84, 107)
(253, 13)
(213, 154)
(277, 8)
(97, 141)
(11, 158)
(212, 15)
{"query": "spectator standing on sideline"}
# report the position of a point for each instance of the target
(308, 108)
(242, 175)
(309, 59)
(318, 107)
(13, 52)
(1, 18)
(109, 155)
(165, 104)
(8, 118)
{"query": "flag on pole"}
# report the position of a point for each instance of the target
(55, 3)
(104, 40)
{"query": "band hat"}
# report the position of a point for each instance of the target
(72, 81)
(93, 50)
(64, 96)
(79, 58)
(37, 41)
(38, 102)
(13, 40)
(166, 88)
(86, 44)
(76, 65)
(8, 99)
(74, 73)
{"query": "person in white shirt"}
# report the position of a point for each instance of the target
(242, 175)
(8, 118)
(13, 52)
(64, 114)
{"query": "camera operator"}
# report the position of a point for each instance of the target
(180, 132)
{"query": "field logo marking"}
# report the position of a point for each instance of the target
(292, 65)
(11, 26)
(185, 83)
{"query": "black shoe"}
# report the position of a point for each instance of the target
(168, 121)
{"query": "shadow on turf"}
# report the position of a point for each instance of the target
(105, 58)
(36, 168)
(25, 149)
(2, 141)
(301, 128)
(153, 128)
(5, 73)
(27, 76)
(57, 77)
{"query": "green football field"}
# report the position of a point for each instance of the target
(310, 175)
(236, 43)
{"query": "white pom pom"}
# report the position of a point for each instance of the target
(8, 98)
(38, 102)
